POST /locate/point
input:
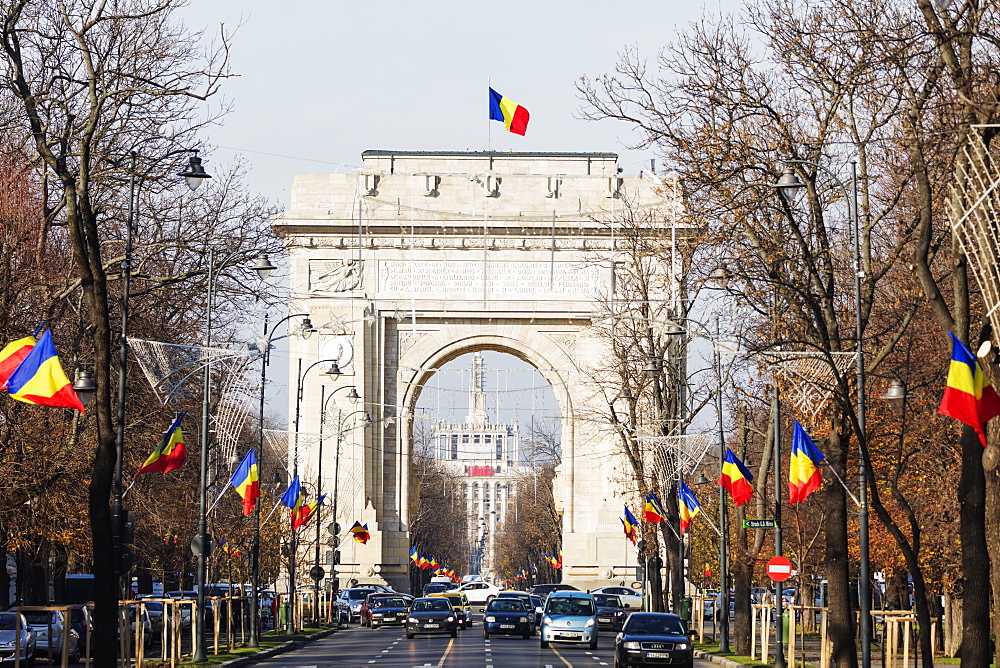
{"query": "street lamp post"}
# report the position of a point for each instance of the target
(305, 331)
(202, 541)
(194, 180)
(317, 572)
(723, 508)
(334, 371)
(790, 181)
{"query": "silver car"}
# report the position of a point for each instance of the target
(570, 617)
(44, 622)
(12, 647)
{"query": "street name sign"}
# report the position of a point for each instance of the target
(758, 524)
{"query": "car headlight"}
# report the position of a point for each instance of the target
(376, 614)
(522, 619)
(631, 644)
(547, 620)
(619, 613)
(411, 620)
(681, 645)
(590, 622)
(451, 619)
(490, 619)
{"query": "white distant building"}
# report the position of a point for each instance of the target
(487, 457)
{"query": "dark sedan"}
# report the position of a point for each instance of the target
(507, 616)
(431, 615)
(389, 611)
(654, 639)
(610, 612)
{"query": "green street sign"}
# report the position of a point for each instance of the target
(758, 524)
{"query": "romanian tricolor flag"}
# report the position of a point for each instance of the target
(11, 357)
(414, 556)
(736, 478)
(513, 116)
(169, 454)
(687, 506)
(245, 481)
(631, 525)
(423, 562)
(968, 396)
(294, 498)
(360, 532)
(306, 512)
(653, 511)
(804, 477)
(229, 548)
(40, 379)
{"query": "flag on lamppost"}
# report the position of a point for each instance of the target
(804, 476)
(968, 396)
(736, 478)
(245, 481)
(687, 506)
(170, 453)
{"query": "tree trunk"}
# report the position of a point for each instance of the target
(975, 558)
(840, 618)
(991, 470)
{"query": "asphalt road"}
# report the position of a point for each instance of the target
(362, 647)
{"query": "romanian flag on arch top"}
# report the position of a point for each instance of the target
(513, 116)
(40, 378)
(11, 357)
(360, 533)
(169, 454)
(736, 478)
(804, 477)
(244, 481)
(968, 396)
(687, 506)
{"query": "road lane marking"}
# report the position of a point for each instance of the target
(447, 649)
(561, 658)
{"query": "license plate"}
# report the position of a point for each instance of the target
(573, 636)
(604, 620)
(657, 655)
(508, 626)
(431, 626)
(388, 619)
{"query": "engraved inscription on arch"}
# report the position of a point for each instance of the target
(434, 277)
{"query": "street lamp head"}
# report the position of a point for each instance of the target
(896, 394)
(306, 329)
(334, 370)
(788, 184)
(652, 368)
(675, 330)
(702, 480)
(194, 173)
(263, 266)
(84, 386)
(353, 395)
(625, 394)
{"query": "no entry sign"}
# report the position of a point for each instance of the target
(779, 569)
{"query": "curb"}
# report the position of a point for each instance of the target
(275, 651)
(698, 654)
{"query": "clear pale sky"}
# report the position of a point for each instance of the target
(321, 81)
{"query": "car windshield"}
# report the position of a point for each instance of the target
(154, 606)
(7, 622)
(570, 606)
(505, 605)
(431, 605)
(655, 625)
(536, 601)
(39, 617)
(358, 593)
(389, 603)
(455, 600)
(607, 600)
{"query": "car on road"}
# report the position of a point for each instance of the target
(389, 611)
(538, 607)
(479, 593)
(349, 603)
(17, 639)
(525, 598)
(654, 638)
(43, 622)
(366, 606)
(630, 598)
(506, 616)
(570, 617)
(431, 616)
(436, 588)
(460, 604)
(610, 612)
(544, 590)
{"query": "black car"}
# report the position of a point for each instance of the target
(389, 611)
(610, 612)
(507, 616)
(544, 590)
(654, 639)
(431, 615)
(436, 588)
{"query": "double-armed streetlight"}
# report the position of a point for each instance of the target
(203, 545)
(317, 573)
(304, 330)
(789, 182)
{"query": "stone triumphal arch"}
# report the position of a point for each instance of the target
(424, 256)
